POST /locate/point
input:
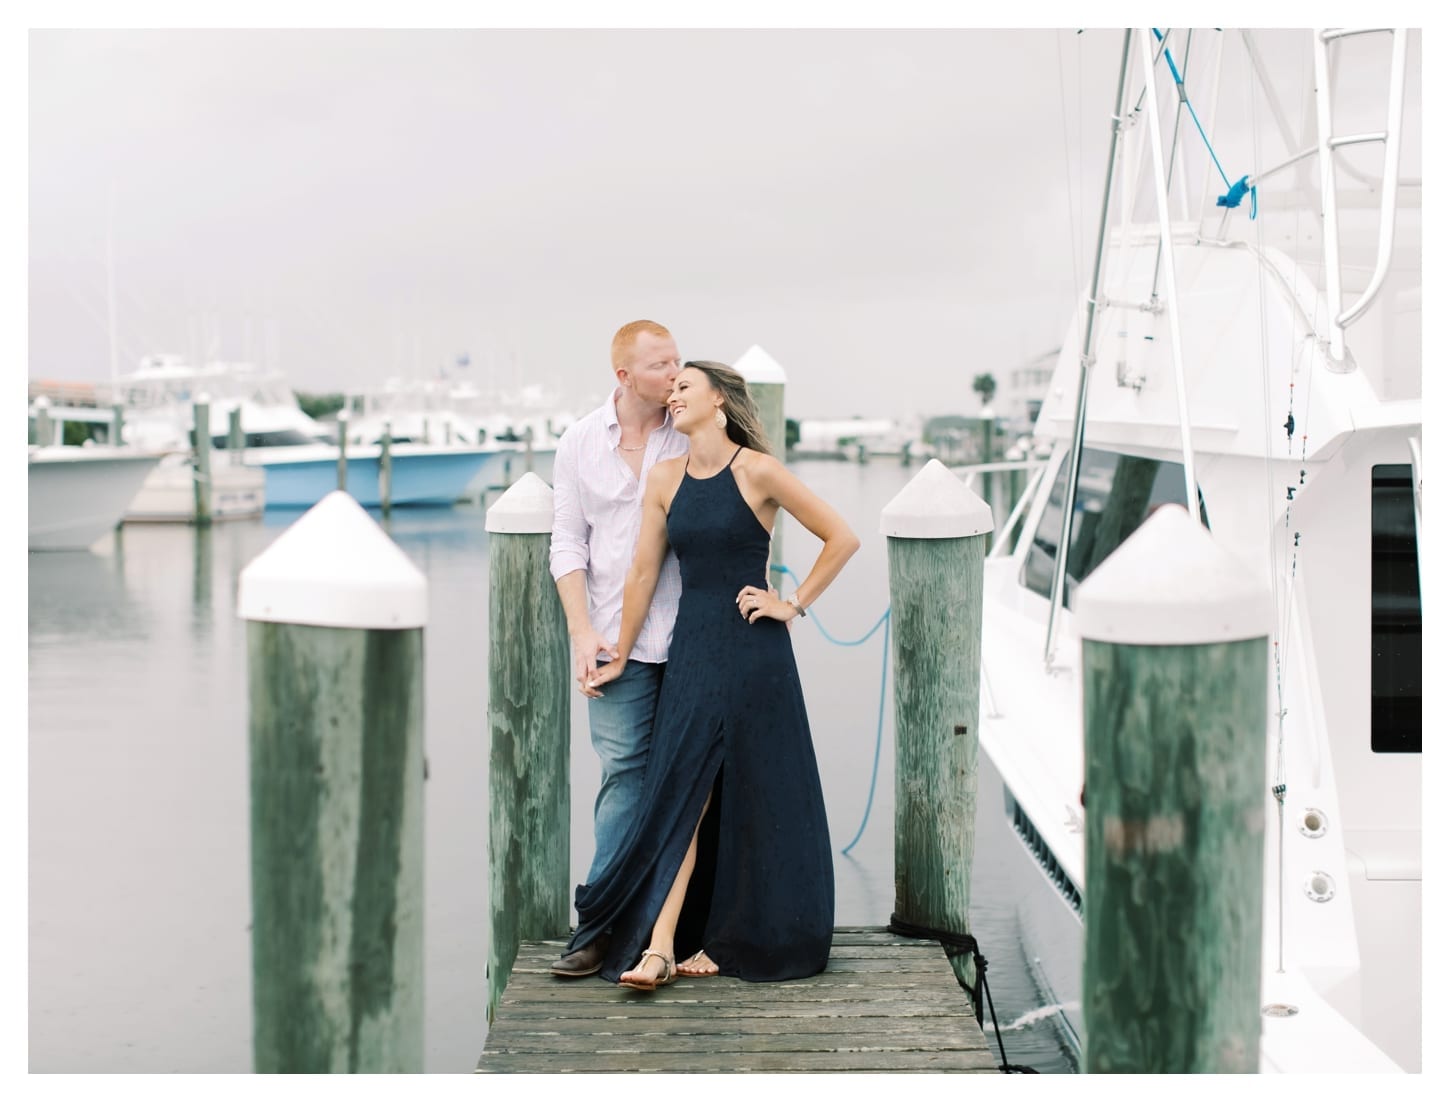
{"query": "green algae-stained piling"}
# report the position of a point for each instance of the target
(1175, 717)
(201, 459)
(765, 379)
(236, 441)
(342, 449)
(936, 531)
(528, 726)
(385, 468)
(44, 427)
(335, 697)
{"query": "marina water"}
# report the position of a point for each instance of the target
(139, 893)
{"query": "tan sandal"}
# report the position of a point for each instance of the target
(649, 985)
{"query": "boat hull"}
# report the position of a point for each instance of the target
(78, 495)
(433, 477)
(168, 494)
(1047, 903)
(505, 467)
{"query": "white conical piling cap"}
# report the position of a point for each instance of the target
(1171, 584)
(759, 366)
(336, 568)
(526, 507)
(935, 505)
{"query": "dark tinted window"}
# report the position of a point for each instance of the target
(281, 438)
(1115, 494)
(1396, 677)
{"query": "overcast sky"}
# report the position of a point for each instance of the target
(887, 212)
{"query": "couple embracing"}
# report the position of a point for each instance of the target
(711, 844)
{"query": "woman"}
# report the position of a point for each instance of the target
(729, 858)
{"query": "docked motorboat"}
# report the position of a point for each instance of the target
(77, 495)
(1270, 357)
(169, 492)
(446, 412)
(296, 454)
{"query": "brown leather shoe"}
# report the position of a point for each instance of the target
(584, 961)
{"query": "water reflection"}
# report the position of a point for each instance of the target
(81, 591)
(201, 584)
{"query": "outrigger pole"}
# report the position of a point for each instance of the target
(1085, 363)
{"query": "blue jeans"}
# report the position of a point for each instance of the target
(620, 724)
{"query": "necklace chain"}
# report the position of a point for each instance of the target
(636, 448)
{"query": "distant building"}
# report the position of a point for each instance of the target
(1020, 400)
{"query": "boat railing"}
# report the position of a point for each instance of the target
(1007, 487)
(1340, 317)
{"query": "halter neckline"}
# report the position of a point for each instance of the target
(718, 473)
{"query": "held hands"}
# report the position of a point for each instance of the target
(586, 646)
(603, 675)
(755, 602)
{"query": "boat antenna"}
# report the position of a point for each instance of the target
(111, 286)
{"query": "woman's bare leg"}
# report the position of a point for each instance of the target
(662, 937)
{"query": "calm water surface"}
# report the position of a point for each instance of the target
(139, 893)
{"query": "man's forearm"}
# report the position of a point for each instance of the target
(574, 596)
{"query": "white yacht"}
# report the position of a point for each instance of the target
(77, 495)
(1274, 352)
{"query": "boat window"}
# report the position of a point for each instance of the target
(1396, 677)
(1115, 494)
(280, 438)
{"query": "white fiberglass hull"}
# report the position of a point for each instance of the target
(78, 495)
(169, 496)
(1031, 732)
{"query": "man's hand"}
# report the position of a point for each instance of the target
(586, 646)
(603, 675)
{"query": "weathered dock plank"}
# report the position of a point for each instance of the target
(883, 1004)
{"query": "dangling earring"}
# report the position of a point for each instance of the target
(720, 421)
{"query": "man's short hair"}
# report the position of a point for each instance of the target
(623, 346)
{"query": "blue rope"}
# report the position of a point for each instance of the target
(881, 704)
(1236, 192)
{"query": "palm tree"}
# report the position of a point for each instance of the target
(986, 386)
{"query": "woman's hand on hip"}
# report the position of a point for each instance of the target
(754, 602)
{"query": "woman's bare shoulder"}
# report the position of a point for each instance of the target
(670, 468)
(760, 466)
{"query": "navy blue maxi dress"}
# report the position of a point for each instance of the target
(730, 720)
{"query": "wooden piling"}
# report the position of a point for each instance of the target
(765, 379)
(988, 425)
(118, 424)
(528, 722)
(936, 531)
(236, 439)
(1175, 720)
(335, 690)
(201, 461)
(342, 449)
(385, 468)
(44, 427)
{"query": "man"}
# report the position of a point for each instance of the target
(600, 469)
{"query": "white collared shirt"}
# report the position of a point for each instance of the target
(597, 511)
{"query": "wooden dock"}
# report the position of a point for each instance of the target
(884, 1003)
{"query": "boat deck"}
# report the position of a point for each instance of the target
(884, 1004)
